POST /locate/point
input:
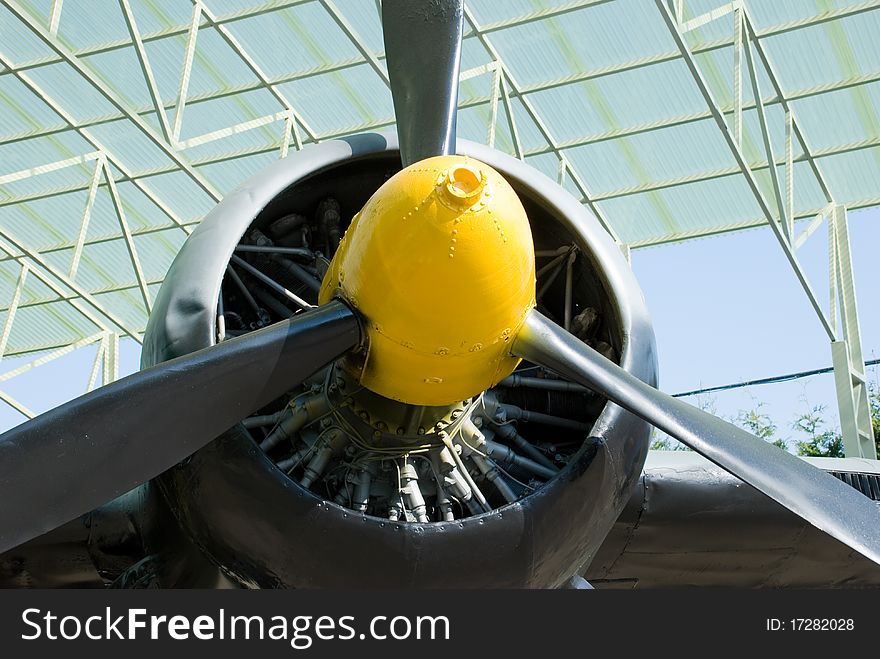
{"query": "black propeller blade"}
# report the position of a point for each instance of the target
(423, 52)
(84, 453)
(819, 498)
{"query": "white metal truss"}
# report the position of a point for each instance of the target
(147, 70)
(846, 352)
(101, 87)
(13, 308)
(849, 365)
(540, 124)
(504, 91)
(13, 247)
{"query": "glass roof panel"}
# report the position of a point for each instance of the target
(601, 83)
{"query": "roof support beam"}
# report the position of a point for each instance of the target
(12, 246)
(111, 357)
(89, 137)
(660, 58)
(731, 171)
(493, 107)
(753, 223)
(67, 297)
(49, 167)
(254, 67)
(738, 29)
(863, 79)
(795, 128)
(55, 17)
(789, 175)
(355, 39)
(63, 295)
(144, 61)
(765, 136)
(87, 215)
(272, 6)
(186, 71)
(242, 127)
(129, 241)
(812, 158)
(735, 150)
(100, 86)
(52, 356)
(13, 308)
(708, 17)
(289, 124)
(539, 122)
(849, 364)
(814, 224)
(511, 121)
(96, 365)
(14, 404)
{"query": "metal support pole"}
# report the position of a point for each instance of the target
(55, 17)
(110, 344)
(129, 240)
(183, 88)
(96, 365)
(789, 175)
(14, 404)
(100, 165)
(738, 29)
(846, 353)
(493, 114)
(511, 121)
(765, 136)
(13, 307)
(147, 70)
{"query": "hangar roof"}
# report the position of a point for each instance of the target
(122, 122)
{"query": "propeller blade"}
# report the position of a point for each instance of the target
(86, 452)
(423, 53)
(827, 503)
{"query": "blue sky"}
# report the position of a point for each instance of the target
(729, 309)
(725, 309)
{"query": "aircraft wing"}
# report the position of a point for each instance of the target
(689, 523)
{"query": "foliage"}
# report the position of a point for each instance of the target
(759, 424)
(820, 443)
(660, 441)
(818, 439)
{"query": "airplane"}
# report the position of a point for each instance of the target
(454, 389)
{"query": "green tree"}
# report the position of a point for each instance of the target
(761, 425)
(820, 442)
(660, 441)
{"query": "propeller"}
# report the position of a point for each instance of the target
(423, 46)
(82, 454)
(423, 52)
(74, 458)
(824, 501)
